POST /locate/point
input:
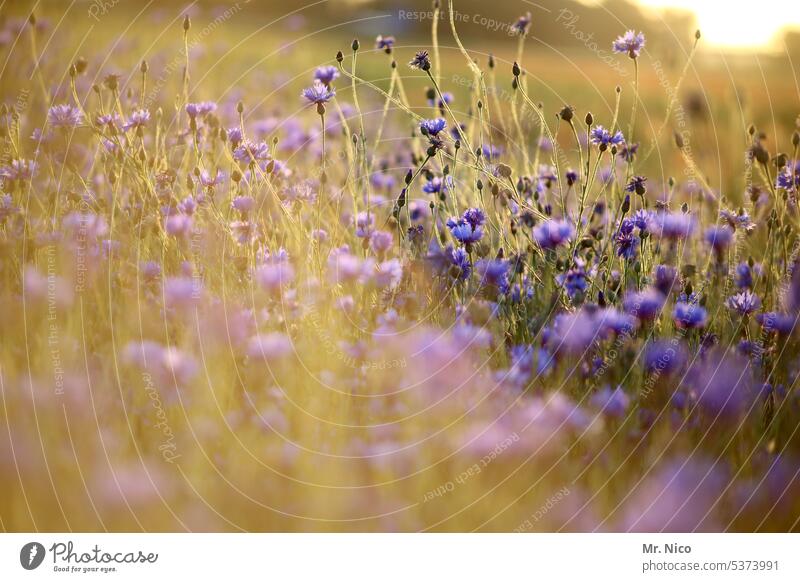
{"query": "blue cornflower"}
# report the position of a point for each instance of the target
(631, 43)
(782, 323)
(644, 305)
(318, 93)
(626, 242)
(438, 185)
(326, 75)
(449, 262)
(642, 219)
(789, 178)
(689, 315)
(664, 356)
(384, 43)
(672, 225)
(475, 217)
(553, 233)
(719, 238)
(610, 402)
(493, 274)
(421, 61)
(573, 281)
(665, 278)
(628, 151)
(744, 276)
(464, 232)
(432, 127)
(600, 136)
(469, 228)
(744, 303)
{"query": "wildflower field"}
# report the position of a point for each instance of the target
(278, 272)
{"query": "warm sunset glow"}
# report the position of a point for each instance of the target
(738, 25)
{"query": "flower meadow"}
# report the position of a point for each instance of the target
(370, 296)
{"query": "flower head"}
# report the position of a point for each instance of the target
(318, 93)
(523, 23)
(421, 61)
(630, 43)
(553, 233)
(432, 127)
(602, 137)
(688, 315)
(138, 118)
(744, 303)
(384, 43)
(326, 75)
(64, 116)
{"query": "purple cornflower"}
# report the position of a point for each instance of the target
(438, 185)
(432, 127)
(600, 136)
(385, 275)
(743, 276)
(665, 278)
(138, 119)
(64, 116)
(326, 75)
(318, 93)
(789, 178)
(719, 237)
(664, 356)
(200, 109)
(365, 222)
(644, 305)
(243, 204)
(384, 43)
(19, 170)
(630, 43)
(781, 323)
(553, 233)
(628, 151)
(209, 180)
(249, 152)
(625, 241)
(572, 177)
(641, 219)
(636, 185)
(493, 274)
(722, 382)
(235, 136)
(108, 120)
(612, 320)
(672, 225)
(573, 281)
(610, 402)
(523, 23)
(688, 315)
(475, 217)
(744, 303)
(380, 241)
(450, 262)
(447, 99)
(421, 61)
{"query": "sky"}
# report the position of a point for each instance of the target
(738, 24)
